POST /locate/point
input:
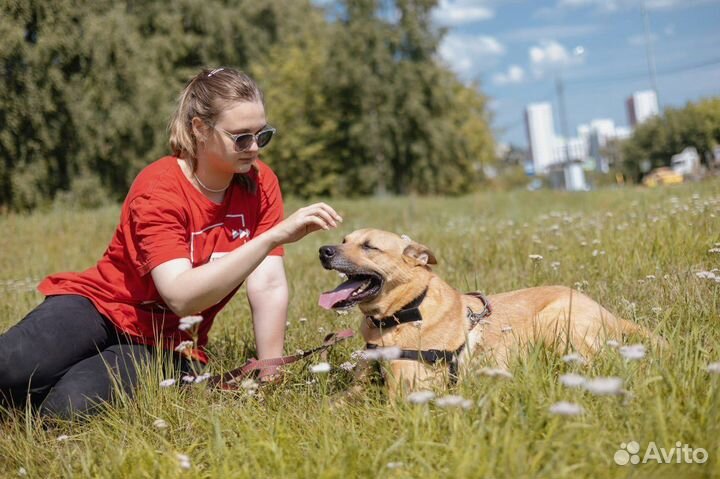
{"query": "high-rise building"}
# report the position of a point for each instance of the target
(541, 135)
(641, 106)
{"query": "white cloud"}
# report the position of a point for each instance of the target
(514, 75)
(535, 34)
(549, 55)
(461, 12)
(468, 55)
(608, 6)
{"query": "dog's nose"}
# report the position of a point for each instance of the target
(327, 252)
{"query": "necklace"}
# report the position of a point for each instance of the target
(210, 189)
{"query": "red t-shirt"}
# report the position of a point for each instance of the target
(165, 217)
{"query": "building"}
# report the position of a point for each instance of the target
(601, 131)
(540, 131)
(641, 106)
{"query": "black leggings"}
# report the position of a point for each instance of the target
(67, 358)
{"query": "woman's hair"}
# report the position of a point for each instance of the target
(207, 95)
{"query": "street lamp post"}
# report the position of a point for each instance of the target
(560, 88)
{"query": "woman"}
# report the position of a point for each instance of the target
(193, 227)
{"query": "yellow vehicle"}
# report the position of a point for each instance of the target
(662, 176)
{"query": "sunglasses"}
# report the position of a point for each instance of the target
(244, 141)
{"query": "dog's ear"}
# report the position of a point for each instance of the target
(420, 253)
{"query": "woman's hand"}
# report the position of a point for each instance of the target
(318, 216)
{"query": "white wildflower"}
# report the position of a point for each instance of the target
(572, 380)
(574, 358)
(302, 320)
(63, 438)
(320, 368)
(183, 461)
(420, 397)
(183, 346)
(202, 377)
(167, 383)
(612, 343)
(379, 354)
(394, 465)
(707, 275)
(714, 368)
(564, 408)
(604, 386)
(321, 330)
(650, 277)
(555, 265)
(22, 472)
(453, 400)
(657, 310)
(347, 366)
(496, 373)
(714, 250)
(188, 322)
(535, 257)
(249, 384)
(633, 351)
(160, 424)
(188, 378)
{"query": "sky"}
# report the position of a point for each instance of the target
(516, 49)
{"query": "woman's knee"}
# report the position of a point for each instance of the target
(68, 402)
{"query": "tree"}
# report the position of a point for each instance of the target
(657, 140)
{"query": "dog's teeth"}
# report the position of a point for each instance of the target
(342, 275)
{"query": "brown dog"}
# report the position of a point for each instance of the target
(407, 306)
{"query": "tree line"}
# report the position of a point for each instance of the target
(361, 101)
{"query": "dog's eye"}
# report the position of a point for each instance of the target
(367, 245)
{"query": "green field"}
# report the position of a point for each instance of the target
(637, 251)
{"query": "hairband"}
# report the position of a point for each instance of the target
(215, 71)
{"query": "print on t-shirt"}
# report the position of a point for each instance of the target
(217, 240)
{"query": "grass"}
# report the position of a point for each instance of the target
(635, 250)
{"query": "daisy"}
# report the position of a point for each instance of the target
(572, 380)
(188, 322)
(167, 383)
(320, 368)
(420, 397)
(574, 358)
(634, 351)
(347, 366)
(183, 461)
(564, 408)
(453, 400)
(160, 424)
(183, 346)
(388, 354)
(604, 386)
(535, 257)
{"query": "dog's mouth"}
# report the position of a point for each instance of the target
(358, 288)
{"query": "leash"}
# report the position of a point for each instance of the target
(230, 380)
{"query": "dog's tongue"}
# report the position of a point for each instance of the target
(341, 293)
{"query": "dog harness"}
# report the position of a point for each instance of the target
(411, 313)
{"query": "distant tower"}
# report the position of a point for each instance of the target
(641, 106)
(541, 135)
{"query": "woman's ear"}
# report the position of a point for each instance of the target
(199, 129)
